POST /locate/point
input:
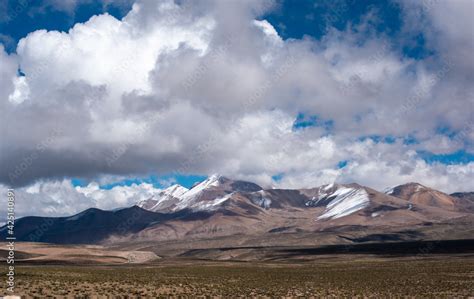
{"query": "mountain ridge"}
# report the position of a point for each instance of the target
(220, 207)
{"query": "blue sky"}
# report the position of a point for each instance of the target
(294, 19)
(344, 31)
(157, 181)
(27, 16)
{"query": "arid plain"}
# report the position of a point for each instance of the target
(379, 270)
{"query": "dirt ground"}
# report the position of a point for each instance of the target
(42, 253)
(446, 276)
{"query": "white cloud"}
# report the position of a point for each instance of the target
(203, 87)
(21, 92)
(118, 196)
(61, 198)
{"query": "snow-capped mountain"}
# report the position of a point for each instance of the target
(339, 200)
(220, 207)
(405, 188)
(216, 190)
(192, 198)
(325, 203)
(165, 200)
(207, 195)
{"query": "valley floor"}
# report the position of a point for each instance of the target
(362, 276)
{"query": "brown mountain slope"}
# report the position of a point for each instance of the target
(296, 211)
(223, 208)
(464, 201)
(417, 193)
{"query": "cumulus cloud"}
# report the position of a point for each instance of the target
(61, 198)
(192, 87)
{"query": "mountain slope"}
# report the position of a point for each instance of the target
(207, 195)
(417, 193)
(165, 201)
(254, 213)
(339, 200)
(90, 226)
(325, 203)
(464, 201)
(220, 207)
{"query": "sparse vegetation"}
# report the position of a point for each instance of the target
(396, 277)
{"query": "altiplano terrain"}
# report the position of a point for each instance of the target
(330, 276)
(41, 253)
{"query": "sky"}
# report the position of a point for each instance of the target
(104, 103)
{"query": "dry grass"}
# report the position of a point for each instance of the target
(432, 278)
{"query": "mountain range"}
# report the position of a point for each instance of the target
(224, 212)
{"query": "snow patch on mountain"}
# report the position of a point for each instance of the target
(212, 204)
(346, 201)
(176, 190)
(412, 187)
(259, 199)
(328, 187)
(212, 181)
(177, 198)
(158, 200)
(188, 198)
(419, 188)
(389, 191)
